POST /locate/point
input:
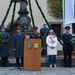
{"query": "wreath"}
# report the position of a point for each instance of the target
(72, 41)
(1, 40)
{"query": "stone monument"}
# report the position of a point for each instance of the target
(24, 20)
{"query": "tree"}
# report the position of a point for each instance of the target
(55, 8)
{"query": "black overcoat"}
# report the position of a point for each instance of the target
(43, 34)
(18, 44)
(4, 52)
(66, 41)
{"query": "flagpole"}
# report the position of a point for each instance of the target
(63, 9)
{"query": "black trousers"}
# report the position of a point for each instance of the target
(44, 51)
(67, 58)
(18, 62)
(4, 61)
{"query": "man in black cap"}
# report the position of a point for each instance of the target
(67, 47)
(43, 34)
(35, 33)
(18, 46)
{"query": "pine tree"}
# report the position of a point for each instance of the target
(55, 8)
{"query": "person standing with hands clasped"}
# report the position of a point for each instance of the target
(43, 34)
(67, 47)
(52, 42)
(18, 46)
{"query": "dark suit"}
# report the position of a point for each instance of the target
(43, 34)
(18, 45)
(67, 49)
(4, 52)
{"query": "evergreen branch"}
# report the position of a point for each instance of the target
(30, 7)
(13, 15)
(42, 14)
(6, 13)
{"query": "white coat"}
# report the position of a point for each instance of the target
(49, 43)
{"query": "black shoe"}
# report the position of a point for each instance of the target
(65, 65)
(19, 68)
(4, 66)
(21, 65)
(69, 66)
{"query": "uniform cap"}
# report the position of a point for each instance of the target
(67, 27)
(44, 25)
(35, 28)
(18, 28)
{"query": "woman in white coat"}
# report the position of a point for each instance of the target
(52, 42)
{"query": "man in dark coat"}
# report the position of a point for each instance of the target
(43, 34)
(35, 33)
(18, 45)
(67, 47)
(4, 52)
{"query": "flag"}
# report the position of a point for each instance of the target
(68, 14)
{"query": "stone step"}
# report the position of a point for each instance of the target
(44, 62)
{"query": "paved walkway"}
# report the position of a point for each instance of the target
(44, 71)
